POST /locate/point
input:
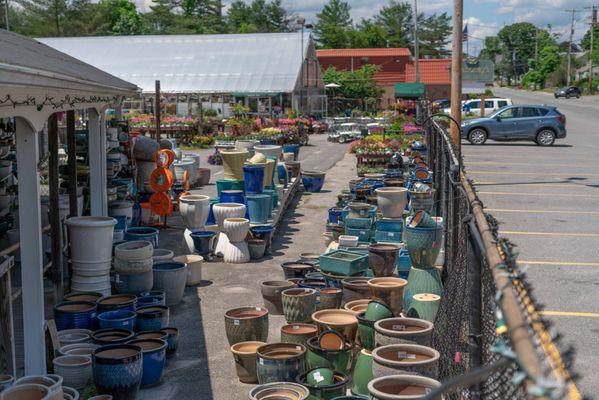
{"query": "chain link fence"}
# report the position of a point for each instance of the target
(479, 358)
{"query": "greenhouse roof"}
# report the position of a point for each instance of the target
(264, 62)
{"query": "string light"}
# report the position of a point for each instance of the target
(57, 103)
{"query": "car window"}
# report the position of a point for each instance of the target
(542, 111)
(501, 103)
(489, 104)
(509, 113)
(528, 112)
(474, 104)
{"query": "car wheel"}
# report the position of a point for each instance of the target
(342, 139)
(556, 96)
(578, 96)
(567, 96)
(477, 136)
(546, 137)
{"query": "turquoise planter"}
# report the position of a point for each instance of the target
(271, 193)
(259, 206)
(422, 281)
(340, 262)
(226, 184)
(424, 245)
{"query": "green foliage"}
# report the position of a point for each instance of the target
(358, 84)
(396, 20)
(367, 34)
(434, 35)
(332, 25)
(586, 43)
(549, 61)
(491, 49)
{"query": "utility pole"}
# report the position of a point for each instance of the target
(570, 47)
(593, 22)
(536, 54)
(416, 44)
(7, 25)
(456, 74)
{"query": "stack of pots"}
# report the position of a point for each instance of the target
(236, 251)
(222, 211)
(194, 209)
(133, 266)
(91, 253)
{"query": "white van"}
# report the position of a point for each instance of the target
(474, 106)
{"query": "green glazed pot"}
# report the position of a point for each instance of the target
(298, 304)
(366, 332)
(422, 281)
(362, 373)
(226, 184)
(377, 310)
(246, 324)
(327, 392)
(338, 360)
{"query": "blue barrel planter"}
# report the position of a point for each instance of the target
(231, 196)
(154, 359)
(253, 178)
(152, 318)
(134, 283)
(313, 181)
(118, 370)
(121, 319)
(264, 232)
(268, 141)
(117, 302)
(292, 148)
(258, 207)
(203, 242)
(271, 193)
(110, 336)
(335, 215)
(280, 362)
(121, 222)
(283, 174)
(150, 301)
(211, 220)
(172, 341)
(142, 233)
(75, 315)
(225, 184)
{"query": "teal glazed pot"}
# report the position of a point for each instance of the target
(225, 184)
(366, 332)
(362, 374)
(422, 281)
(258, 207)
(327, 392)
(246, 324)
(338, 360)
(271, 193)
(424, 245)
(280, 362)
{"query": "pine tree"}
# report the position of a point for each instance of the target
(396, 20)
(332, 24)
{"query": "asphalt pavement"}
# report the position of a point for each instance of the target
(546, 200)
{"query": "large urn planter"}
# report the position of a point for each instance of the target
(401, 387)
(298, 304)
(390, 291)
(337, 359)
(412, 359)
(152, 318)
(236, 229)
(298, 333)
(233, 161)
(280, 362)
(424, 245)
(194, 268)
(403, 331)
(313, 181)
(271, 294)
(194, 210)
(422, 281)
(154, 360)
(86, 230)
(382, 258)
(246, 324)
(254, 178)
(258, 207)
(75, 315)
(244, 354)
(392, 201)
(118, 370)
(170, 276)
(76, 371)
(342, 321)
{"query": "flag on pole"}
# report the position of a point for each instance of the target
(465, 34)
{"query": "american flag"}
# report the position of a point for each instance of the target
(465, 34)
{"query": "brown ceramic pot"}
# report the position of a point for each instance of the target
(298, 333)
(329, 298)
(246, 324)
(244, 354)
(341, 321)
(398, 387)
(403, 331)
(405, 359)
(389, 290)
(382, 258)
(357, 306)
(355, 288)
(271, 294)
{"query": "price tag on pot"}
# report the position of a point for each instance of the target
(261, 361)
(399, 327)
(317, 377)
(391, 234)
(295, 327)
(405, 355)
(236, 322)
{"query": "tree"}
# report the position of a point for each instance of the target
(200, 16)
(161, 19)
(239, 17)
(332, 24)
(49, 13)
(117, 17)
(358, 84)
(367, 34)
(259, 16)
(277, 16)
(433, 35)
(491, 49)
(396, 20)
(586, 42)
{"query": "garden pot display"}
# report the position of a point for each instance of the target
(254, 178)
(154, 359)
(298, 333)
(269, 172)
(134, 283)
(424, 245)
(392, 201)
(231, 196)
(412, 359)
(76, 371)
(246, 324)
(244, 354)
(152, 318)
(120, 319)
(54, 386)
(401, 387)
(355, 288)
(280, 362)
(422, 201)
(339, 359)
(390, 291)
(298, 304)
(294, 167)
(403, 331)
(365, 331)
(257, 248)
(424, 306)
(75, 314)
(131, 258)
(258, 207)
(297, 269)
(203, 242)
(280, 391)
(264, 232)
(292, 148)
(72, 336)
(142, 233)
(271, 294)
(362, 373)
(172, 341)
(341, 321)
(313, 180)
(203, 176)
(422, 281)
(383, 259)
(118, 370)
(29, 391)
(330, 298)
(78, 349)
(269, 150)
(357, 306)
(194, 209)
(236, 229)
(170, 276)
(342, 262)
(226, 184)
(83, 296)
(117, 302)
(194, 268)
(233, 161)
(111, 336)
(359, 210)
(329, 391)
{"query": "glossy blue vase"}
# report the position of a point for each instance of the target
(211, 220)
(121, 222)
(154, 359)
(264, 232)
(335, 215)
(231, 196)
(118, 370)
(75, 315)
(149, 301)
(258, 207)
(313, 181)
(253, 178)
(283, 175)
(292, 148)
(120, 319)
(424, 245)
(202, 242)
(152, 318)
(142, 233)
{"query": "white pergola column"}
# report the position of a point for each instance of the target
(97, 162)
(30, 229)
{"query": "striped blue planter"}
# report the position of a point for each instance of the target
(75, 315)
(118, 370)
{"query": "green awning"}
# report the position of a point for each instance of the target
(409, 90)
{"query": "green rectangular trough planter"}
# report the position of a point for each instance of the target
(362, 234)
(342, 262)
(358, 223)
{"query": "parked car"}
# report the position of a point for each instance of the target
(567, 92)
(441, 104)
(539, 123)
(474, 106)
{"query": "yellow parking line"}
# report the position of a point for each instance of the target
(559, 263)
(527, 173)
(573, 165)
(538, 194)
(570, 314)
(560, 185)
(541, 211)
(549, 233)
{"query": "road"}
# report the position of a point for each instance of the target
(546, 202)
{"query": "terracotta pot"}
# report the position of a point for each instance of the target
(271, 293)
(233, 161)
(357, 306)
(53, 386)
(403, 331)
(341, 321)
(330, 298)
(412, 359)
(382, 258)
(280, 362)
(401, 387)
(298, 333)
(203, 176)
(355, 289)
(392, 201)
(246, 324)
(390, 291)
(298, 304)
(236, 229)
(244, 354)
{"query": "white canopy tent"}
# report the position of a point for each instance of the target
(37, 81)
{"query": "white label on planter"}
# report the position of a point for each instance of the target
(236, 322)
(296, 327)
(298, 348)
(391, 234)
(317, 377)
(399, 327)
(261, 361)
(258, 309)
(403, 354)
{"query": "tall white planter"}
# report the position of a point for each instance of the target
(236, 229)
(91, 238)
(194, 268)
(236, 253)
(271, 150)
(392, 201)
(186, 164)
(223, 211)
(195, 209)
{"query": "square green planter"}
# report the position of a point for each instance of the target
(358, 223)
(387, 236)
(362, 234)
(342, 262)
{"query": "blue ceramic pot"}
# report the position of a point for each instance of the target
(154, 359)
(280, 362)
(134, 283)
(424, 245)
(111, 336)
(121, 319)
(264, 232)
(156, 293)
(203, 241)
(172, 341)
(226, 184)
(335, 215)
(271, 205)
(283, 174)
(313, 181)
(389, 225)
(231, 196)
(258, 207)
(297, 269)
(75, 315)
(253, 178)
(121, 222)
(117, 302)
(150, 301)
(152, 318)
(142, 233)
(118, 370)
(292, 148)
(211, 220)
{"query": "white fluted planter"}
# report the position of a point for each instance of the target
(194, 210)
(392, 201)
(236, 229)
(194, 268)
(221, 244)
(236, 253)
(269, 150)
(75, 370)
(223, 211)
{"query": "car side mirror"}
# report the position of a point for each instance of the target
(498, 119)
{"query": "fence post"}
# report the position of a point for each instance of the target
(475, 255)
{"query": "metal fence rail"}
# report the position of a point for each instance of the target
(493, 341)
